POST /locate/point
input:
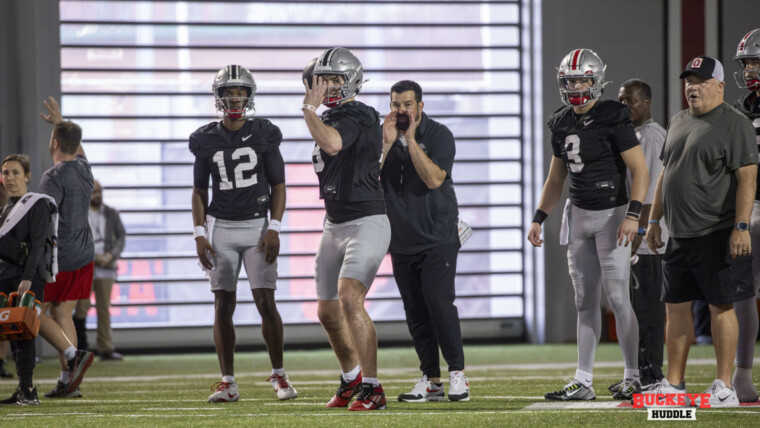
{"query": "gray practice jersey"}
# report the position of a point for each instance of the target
(700, 156)
(70, 183)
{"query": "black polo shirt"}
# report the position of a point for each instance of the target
(421, 218)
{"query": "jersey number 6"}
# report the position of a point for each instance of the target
(241, 168)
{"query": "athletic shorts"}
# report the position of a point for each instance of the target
(71, 285)
(702, 269)
(353, 249)
(236, 243)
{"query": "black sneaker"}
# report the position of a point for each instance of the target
(574, 390)
(77, 366)
(59, 391)
(23, 396)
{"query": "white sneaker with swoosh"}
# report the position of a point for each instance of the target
(720, 395)
(224, 392)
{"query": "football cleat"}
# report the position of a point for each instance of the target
(23, 397)
(574, 390)
(370, 398)
(77, 366)
(59, 391)
(720, 395)
(346, 392)
(459, 387)
(224, 392)
(423, 390)
(282, 387)
(614, 387)
(626, 389)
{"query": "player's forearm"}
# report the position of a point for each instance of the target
(277, 207)
(429, 172)
(326, 137)
(199, 204)
(550, 196)
(639, 185)
(745, 192)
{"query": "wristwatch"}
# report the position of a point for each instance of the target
(642, 231)
(742, 226)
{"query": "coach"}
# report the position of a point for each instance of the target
(418, 154)
(706, 190)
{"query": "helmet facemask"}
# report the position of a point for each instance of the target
(748, 78)
(234, 107)
(572, 97)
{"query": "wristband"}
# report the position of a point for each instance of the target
(539, 217)
(634, 208)
(199, 231)
(654, 221)
(309, 107)
(274, 225)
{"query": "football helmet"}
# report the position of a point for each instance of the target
(233, 76)
(579, 64)
(308, 71)
(749, 47)
(342, 62)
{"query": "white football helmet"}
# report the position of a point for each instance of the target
(749, 47)
(342, 62)
(579, 64)
(233, 76)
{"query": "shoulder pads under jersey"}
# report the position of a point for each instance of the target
(361, 113)
(200, 137)
(267, 136)
(610, 112)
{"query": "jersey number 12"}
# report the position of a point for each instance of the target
(240, 169)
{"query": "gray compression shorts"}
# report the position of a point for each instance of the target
(353, 249)
(236, 243)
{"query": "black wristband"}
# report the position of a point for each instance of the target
(634, 208)
(539, 217)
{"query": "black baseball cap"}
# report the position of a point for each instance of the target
(704, 67)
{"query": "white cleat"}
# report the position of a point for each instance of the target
(282, 387)
(423, 391)
(720, 395)
(224, 392)
(459, 387)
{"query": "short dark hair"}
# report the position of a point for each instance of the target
(641, 85)
(23, 159)
(69, 135)
(408, 85)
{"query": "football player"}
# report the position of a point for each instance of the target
(748, 57)
(356, 231)
(593, 141)
(242, 157)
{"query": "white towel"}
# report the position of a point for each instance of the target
(564, 231)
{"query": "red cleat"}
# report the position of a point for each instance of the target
(346, 392)
(370, 398)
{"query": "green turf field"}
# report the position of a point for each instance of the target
(171, 390)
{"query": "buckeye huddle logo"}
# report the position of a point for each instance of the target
(671, 406)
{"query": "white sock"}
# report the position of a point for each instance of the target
(228, 379)
(64, 376)
(585, 378)
(632, 374)
(280, 371)
(371, 380)
(70, 353)
(350, 376)
(743, 373)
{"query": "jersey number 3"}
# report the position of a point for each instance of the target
(573, 147)
(240, 169)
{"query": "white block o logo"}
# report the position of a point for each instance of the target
(696, 63)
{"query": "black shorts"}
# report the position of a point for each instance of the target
(702, 269)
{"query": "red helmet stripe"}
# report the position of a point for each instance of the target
(576, 57)
(744, 40)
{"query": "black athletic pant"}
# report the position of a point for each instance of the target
(426, 284)
(646, 290)
(23, 350)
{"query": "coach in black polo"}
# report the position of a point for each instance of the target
(418, 154)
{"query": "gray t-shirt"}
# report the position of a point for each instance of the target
(70, 183)
(700, 156)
